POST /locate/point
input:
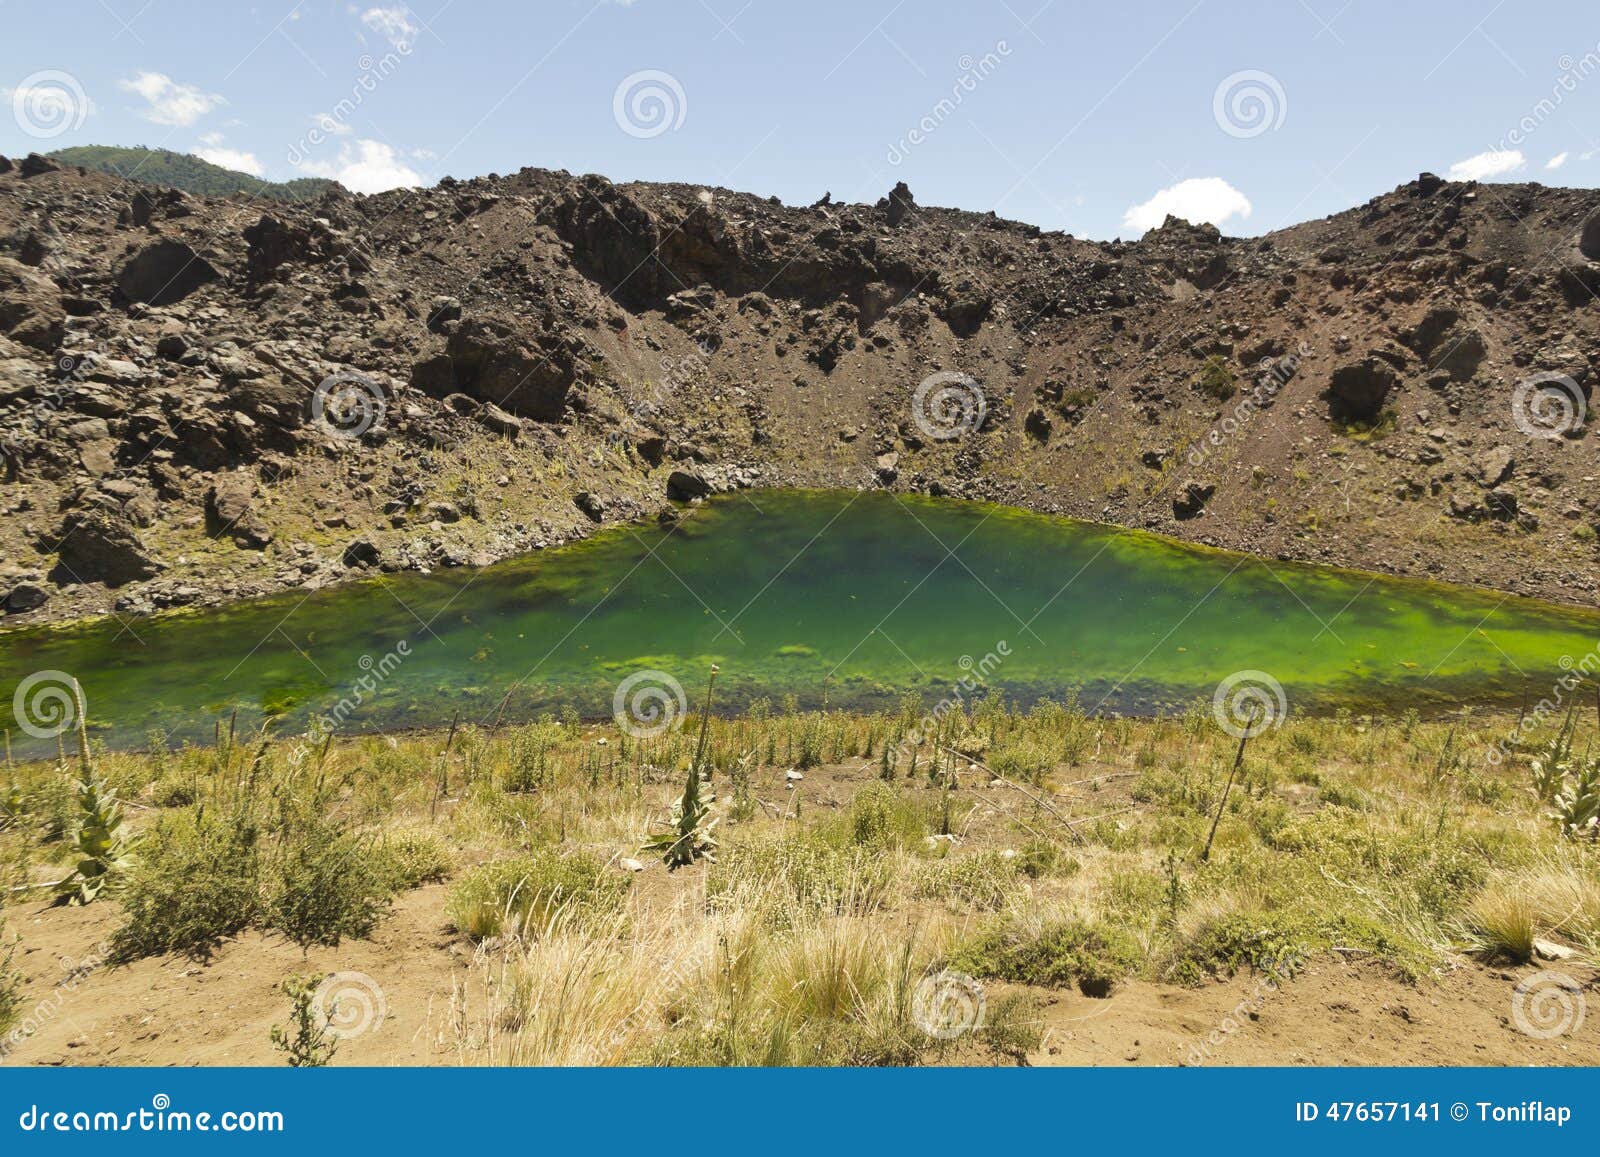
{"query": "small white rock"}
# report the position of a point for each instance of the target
(1549, 950)
(628, 864)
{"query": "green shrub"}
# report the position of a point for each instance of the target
(197, 882)
(982, 880)
(880, 817)
(1216, 379)
(10, 980)
(325, 883)
(1022, 759)
(410, 859)
(1054, 954)
(519, 896)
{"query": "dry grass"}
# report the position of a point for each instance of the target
(831, 900)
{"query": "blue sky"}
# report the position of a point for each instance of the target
(1094, 118)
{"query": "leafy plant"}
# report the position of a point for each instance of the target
(307, 1043)
(100, 842)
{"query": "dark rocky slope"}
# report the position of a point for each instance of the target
(207, 398)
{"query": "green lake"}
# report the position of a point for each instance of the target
(859, 596)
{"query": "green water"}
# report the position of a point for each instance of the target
(870, 595)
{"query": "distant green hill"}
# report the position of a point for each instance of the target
(187, 172)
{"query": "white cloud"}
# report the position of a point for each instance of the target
(1557, 161)
(366, 167)
(394, 24)
(1494, 163)
(1198, 199)
(170, 103)
(235, 159)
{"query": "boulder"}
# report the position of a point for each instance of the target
(591, 505)
(684, 485)
(164, 272)
(1493, 465)
(1358, 391)
(363, 552)
(25, 597)
(493, 359)
(230, 512)
(34, 165)
(1191, 500)
(1589, 238)
(98, 546)
(30, 306)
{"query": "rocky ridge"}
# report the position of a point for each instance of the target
(202, 399)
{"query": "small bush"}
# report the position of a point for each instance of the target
(197, 882)
(1505, 919)
(1022, 759)
(325, 884)
(10, 980)
(982, 880)
(410, 859)
(805, 875)
(520, 896)
(1054, 954)
(1216, 379)
(881, 817)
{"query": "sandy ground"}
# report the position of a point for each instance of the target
(174, 1011)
